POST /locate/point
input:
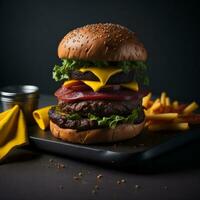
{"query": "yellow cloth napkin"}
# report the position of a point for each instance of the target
(12, 130)
(41, 117)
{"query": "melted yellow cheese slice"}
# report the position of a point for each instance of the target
(101, 73)
(69, 82)
(132, 85)
(96, 85)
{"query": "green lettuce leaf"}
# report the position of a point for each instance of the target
(113, 120)
(110, 121)
(63, 72)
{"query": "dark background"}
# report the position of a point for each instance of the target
(31, 31)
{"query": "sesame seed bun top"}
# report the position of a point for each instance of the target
(102, 42)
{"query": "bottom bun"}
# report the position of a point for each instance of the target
(119, 133)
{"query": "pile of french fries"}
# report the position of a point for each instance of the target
(162, 114)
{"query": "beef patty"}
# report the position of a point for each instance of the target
(99, 107)
(118, 78)
(62, 120)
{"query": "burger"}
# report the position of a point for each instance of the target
(104, 79)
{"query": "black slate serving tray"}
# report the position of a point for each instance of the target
(146, 146)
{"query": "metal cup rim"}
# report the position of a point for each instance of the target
(19, 91)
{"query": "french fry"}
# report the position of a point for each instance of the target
(190, 108)
(145, 112)
(167, 101)
(162, 116)
(163, 98)
(169, 126)
(146, 99)
(175, 104)
(155, 106)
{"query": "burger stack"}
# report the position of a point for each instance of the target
(103, 76)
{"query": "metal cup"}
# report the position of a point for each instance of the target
(26, 96)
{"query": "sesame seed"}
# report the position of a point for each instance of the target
(99, 176)
(123, 181)
(80, 174)
(137, 186)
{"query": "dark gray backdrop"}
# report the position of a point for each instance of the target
(31, 30)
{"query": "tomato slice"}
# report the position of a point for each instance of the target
(88, 95)
(79, 91)
(80, 86)
(72, 96)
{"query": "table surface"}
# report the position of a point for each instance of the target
(32, 174)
